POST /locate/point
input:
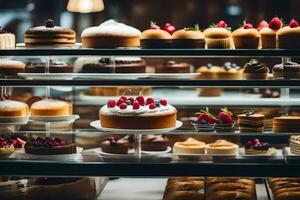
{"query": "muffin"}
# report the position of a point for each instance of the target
(11, 67)
(288, 70)
(218, 36)
(289, 36)
(110, 34)
(230, 71)
(246, 37)
(268, 34)
(188, 38)
(209, 73)
(255, 69)
(155, 38)
(7, 40)
(173, 67)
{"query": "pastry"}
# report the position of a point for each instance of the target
(50, 35)
(7, 40)
(110, 34)
(6, 148)
(188, 38)
(295, 144)
(230, 71)
(189, 146)
(138, 113)
(288, 70)
(255, 69)
(115, 145)
(173, 67)
(117, 91)
(268, 34)
(54, 67)
(222, 147)
(246, 37)
(49, 146)
(225, 121)
(286, 124)
(16, 140)
(155, 38)
(51, 107)
(154, 143)
(205, 121)
(285, 188)
(251, 122)
(9, 108)
(289, 36)
(255, 146)
(11, 67)
(209, 73)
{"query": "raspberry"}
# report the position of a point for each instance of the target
(149, 101)
(111, 103)
(163, 102)
(131, 99)
(275, 23)
(123, 106)
(262, 25)
(124, 98)
(248, 26)
(136, 105)
(293, 23)
(152, 106)
(141, 100)
(120, 101)
(222, 24)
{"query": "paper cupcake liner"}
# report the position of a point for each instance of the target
(218, 43)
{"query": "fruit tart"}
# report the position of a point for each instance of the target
(6, 148)
(10, 143)
(225, 122)
(256, 146)
(205, 121)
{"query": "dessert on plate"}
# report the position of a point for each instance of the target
(289, 36)
(286, 124)
(11, 67)
(115, 145)
(218, 36)
(51, 107)
(110, 34)
(173, 67)
(154, 143)
(54, 67)
(50, 35)
(188, 38)
(287, 70)
(256, 146)
(222, 147)
(205, 121)
(10, 108)
(268, 34)
(189, 146)
(7, 40)
(251, 122)
(138, 113)
(246, 37)
(255, 69)
(225, 122)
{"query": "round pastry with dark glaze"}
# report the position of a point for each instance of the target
(154, 143)
(288, 70)
(255, 69)
(115, 145)
(173, 67)
(54, 67)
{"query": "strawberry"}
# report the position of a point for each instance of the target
(123, 106)
(293, 23)
(136, 105)
(225, 116)
(163, 102)
(275, 23)
(154, 26)
(120, 101)
(222, 24)
(152, 106)
(247, 26)
(206, 117)
(149, 101)
(169, 28)
(111, 103)
(141, 100)
(262, 24)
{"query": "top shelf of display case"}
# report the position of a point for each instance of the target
(153, 52)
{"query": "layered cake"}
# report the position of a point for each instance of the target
(295, 144)
(115, 145)
(222, 147)
(286, 124)
(54, 67)
(257, 147)
(188, 38)
(50, 35)
(251, 122)
(51, 107)
(288, 70)
(11, 67)
(246, 37)
(7, 40)
(154, 143)
(289, 36)
(9, 108)
(138, 113)
(189, 146)
(255, 69)
(49, 146)
(110, 34)
(173, 67)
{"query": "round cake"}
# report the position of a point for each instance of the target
(110, 34)
(138, 113)
(54, 67)
(115, 145)
(190, 146)
(13, 109)
(51, 107)
(50, 35)
(173, 67)
(286, 124)
(11, 67)
(222, 147)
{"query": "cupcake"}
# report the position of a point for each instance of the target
(268, 34)
(218, 36)
(289, 70)
(289, 36)
(188, 38)
(156, 38)
(246, 37)
(255, 69)
(230, 71)
(209, 72)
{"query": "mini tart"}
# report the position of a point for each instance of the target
(289, 70)
(268, 38)
(251, 123)
(217, 38)
(11, 67)
(115, 146)
(51, 107)
(288, 38)
(286, 124)
(155, 38)
(245, 38)
(173, 67)
(188, 39)
(222, 147)
(255, 69)
(190, 146)
(9, 108)
(154, 143)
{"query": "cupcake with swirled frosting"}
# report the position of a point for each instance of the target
(255, 69)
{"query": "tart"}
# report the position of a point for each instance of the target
(173, 67)
(18, 141)
(257, 147)
(205, 121)
(7, 40)
(189, 146)
(288, 70)
(6, 148)
(289, 36)
(110, 34)
(286, 124)
(154, 143)
(50, 35)
(49, 146)
(54, 67)
(225, 121)
(115, 145)
(251, 122)
(246, 37)
(222, 147)
(188, 38)
(51, 107)
(9, 108)
(11, 67)
(255, 69)
(138, 113)
(268, 34)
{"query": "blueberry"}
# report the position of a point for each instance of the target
(128, 102)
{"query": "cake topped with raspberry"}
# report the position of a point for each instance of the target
(138, 113)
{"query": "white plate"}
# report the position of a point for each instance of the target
(22, 46)
(96, 124)
(173, 75)
(112, 76)
(48, 76)
(14, 120)
(169, 149)
(56, 119)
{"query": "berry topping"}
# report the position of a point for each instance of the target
(141, 100)
(222, 24)
(123, 106)
(275, 23)
(169, 28)
(157, 104)
(136, 105)
(149, 101)
(120, 101)
(111, 103)
(293, 23)
(124, 98)
(131, 99)
(152, 106)
(47, 142)
(225, 116)
(247, 26)
(49, 23)
(262, 24)
(154, 26)
(256, 144)
(205, 117)
(163, 102)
